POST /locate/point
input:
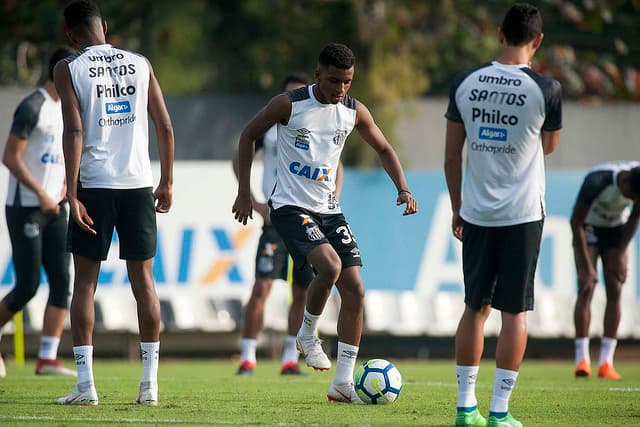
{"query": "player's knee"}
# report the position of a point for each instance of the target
(330, 270)
(19, 297)
(261, 289)
(353, 293)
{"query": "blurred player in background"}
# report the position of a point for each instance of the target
(37, 215)
(272, 260)
(604, 220)
(510, 117)
(107, 95)
(313, 124)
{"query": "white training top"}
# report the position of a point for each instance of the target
(504, 109)
(38, 119)
(601, 195)
(269, 145)
(112, 86)
(309, 148)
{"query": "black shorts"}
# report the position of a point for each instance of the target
(604, 238)
(499, 265)
(272, 259)
(130, 211)
(303, 230)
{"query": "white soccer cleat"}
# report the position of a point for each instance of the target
(53, 367)
(310, 347)
(3, 370)
(343, 393)
(148, 394)
(76, 397)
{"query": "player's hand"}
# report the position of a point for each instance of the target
(412, 205)
(457, 225)
(80, 215)
(48, 206)
(263, 210)
(242, 208)
(163, 197)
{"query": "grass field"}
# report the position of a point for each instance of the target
(203, 392)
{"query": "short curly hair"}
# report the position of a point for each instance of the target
(80, 12)
(338, 55)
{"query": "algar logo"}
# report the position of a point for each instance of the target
(321, 174)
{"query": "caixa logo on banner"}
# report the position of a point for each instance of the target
(197, 257)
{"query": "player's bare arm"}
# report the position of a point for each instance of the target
(71, 143)
(550, 140)
(454, 142)
(585, 268)
(277, 110)
(260, 207)
(164, 133)
(12, 158)
(372, 134)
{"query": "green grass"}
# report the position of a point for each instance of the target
(201, 392)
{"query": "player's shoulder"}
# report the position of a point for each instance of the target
(463, 75)
(549, 85)
(349, 102)
(31, 104)
(299, 94)
(69, 59)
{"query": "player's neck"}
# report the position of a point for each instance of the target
(50, 87)
(513, 55)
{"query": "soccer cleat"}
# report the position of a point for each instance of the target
(470, 418)
(290, 368)
(246, 368)
(506, 421)
(76, 397)
(343, 393)
(53, 367)
(3, 370)
(608, 372)
(583, 369)
(310, 347)
(148, 394)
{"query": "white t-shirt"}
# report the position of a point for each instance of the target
(601, 195)
(309, 148)
(112, 86)
(504, 109)
(269, 145)
(38, 119)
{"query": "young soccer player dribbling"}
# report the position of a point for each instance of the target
(313, 125)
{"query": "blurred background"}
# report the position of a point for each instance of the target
(219, 61)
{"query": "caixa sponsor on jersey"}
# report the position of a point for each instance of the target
(306, 171)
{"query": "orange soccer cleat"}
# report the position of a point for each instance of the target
(583, 369)
(607, 371)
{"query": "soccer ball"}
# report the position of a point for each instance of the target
(377, 381)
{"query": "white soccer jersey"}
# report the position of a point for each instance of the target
(269, 145)
(600, 194)
(112, 86)
(309, 148)
(504, 109)
(38, 119)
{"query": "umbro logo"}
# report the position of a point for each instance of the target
(350, 354)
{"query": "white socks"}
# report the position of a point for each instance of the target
(309, 324)
(582, 350)
(347, 355)
(607, 348)
(290, 353)
(48, 347)
(84, 365)
(150, 352)
(505, 381)
(467, 376)
(248, 351)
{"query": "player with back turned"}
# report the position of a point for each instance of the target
(510, 117)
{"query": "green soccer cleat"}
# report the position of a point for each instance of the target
(506, 421)
(470, 419)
